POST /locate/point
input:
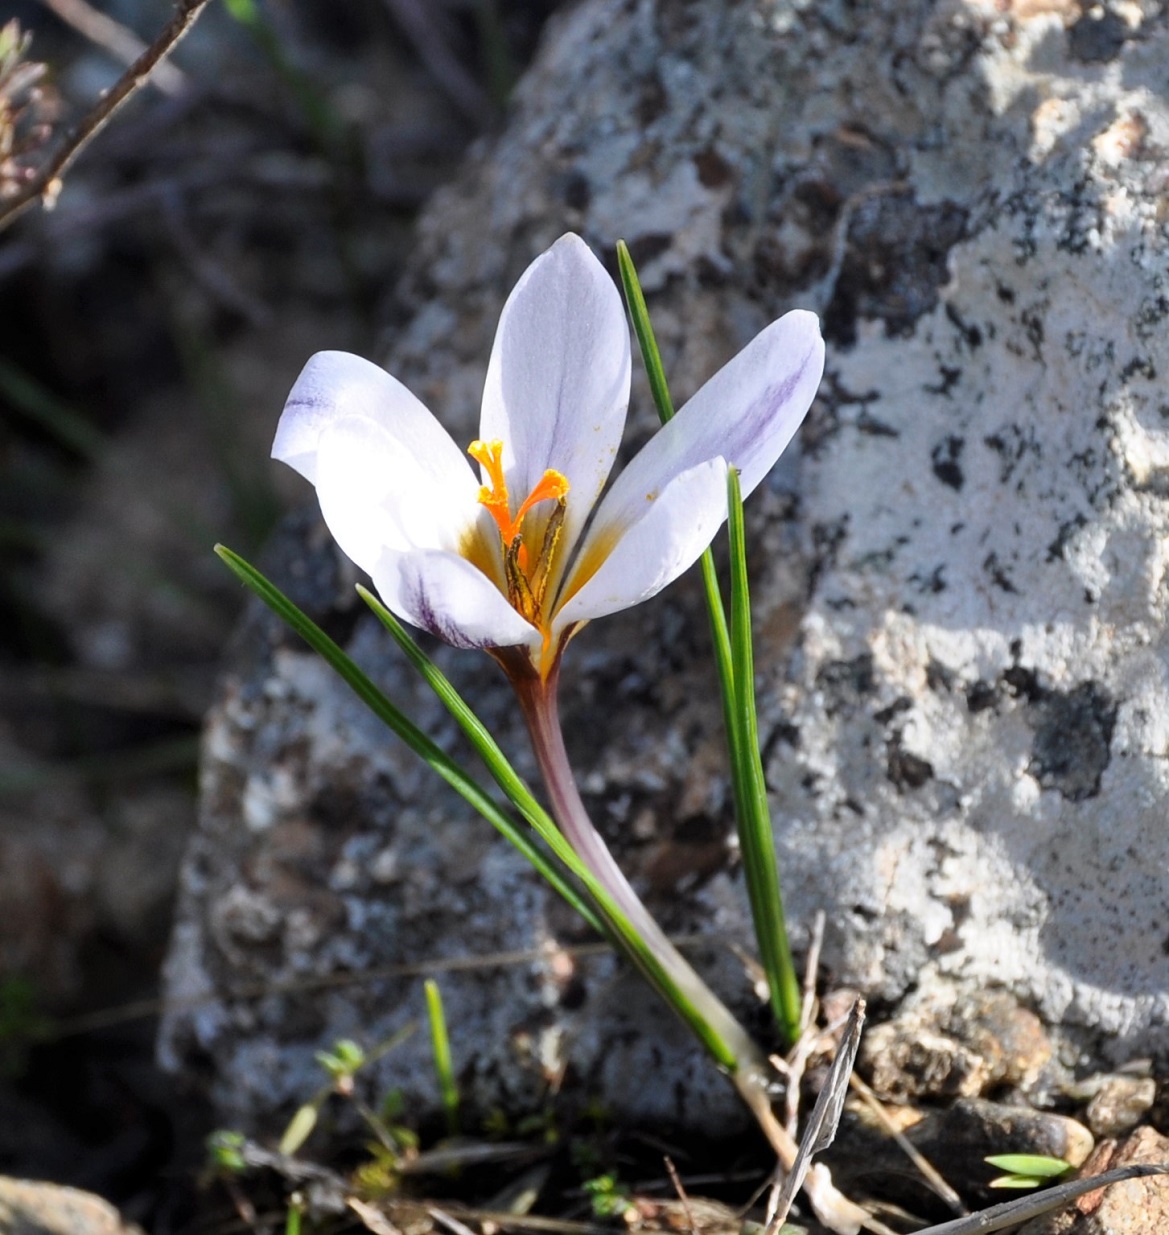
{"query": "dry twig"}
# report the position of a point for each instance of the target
(46, 184)
(121, 43)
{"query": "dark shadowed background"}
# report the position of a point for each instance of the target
(251, 207)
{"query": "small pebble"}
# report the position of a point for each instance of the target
(1121, 1104)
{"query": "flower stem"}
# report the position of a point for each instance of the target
(750, 1072)
(541, 711)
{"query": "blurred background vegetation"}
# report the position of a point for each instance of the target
(250, 206)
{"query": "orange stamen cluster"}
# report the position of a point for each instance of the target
(525, 588)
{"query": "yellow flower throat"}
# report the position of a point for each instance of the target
(527, 581)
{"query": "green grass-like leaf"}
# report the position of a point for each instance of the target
(395, 720)
(609, 921)
(756, 839)
(617, 926)
(737, 683)
(443, 1068)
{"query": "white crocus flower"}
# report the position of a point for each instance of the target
(518, 558)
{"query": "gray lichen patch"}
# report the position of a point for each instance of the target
(1073, 740)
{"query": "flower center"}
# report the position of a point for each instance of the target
(527, 581)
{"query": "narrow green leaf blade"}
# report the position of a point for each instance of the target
(611, 922)
(395, 720)
(621, 930)
(651, 357)
(443, 1068)
(756, 839)
(754, 823)
(646, 340)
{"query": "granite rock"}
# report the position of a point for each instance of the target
(959, 578)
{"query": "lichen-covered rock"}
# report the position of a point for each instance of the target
(960, 585)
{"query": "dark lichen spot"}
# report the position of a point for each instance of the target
(980, 695)
(1022, 683)
(1151, 314)
(945, 457)
(842, 682)
(930, 583)
(906, 770)
(1097, 39)
(938, 677)
(713, 170)
(950, 376)
(1073, 740)
(870, 426)
(970, 333)
(652, 101)
(1139, 366)
(573, 190)
(896, 708)
(998, 574)
(643, 249)
(894, 264)
(827, 539)
(1063, 537)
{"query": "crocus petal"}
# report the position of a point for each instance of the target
(376, 493)
(446, 595)
(336, 384)
(675, 527)
(558, 380)
(746, 413)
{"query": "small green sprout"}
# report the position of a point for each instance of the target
(1026, 1170)
(608, 1196)
(225, 1151)
(342, 1063)
(443, 1067)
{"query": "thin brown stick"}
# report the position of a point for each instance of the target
(121, 43)
(46, 184)
(928, 1171)
(811, 967)
(681, 1195)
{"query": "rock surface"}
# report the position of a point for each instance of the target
(29, 1207)
(956, 1141)
(1134, 1207)
(960, 583)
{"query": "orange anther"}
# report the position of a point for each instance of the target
(526, 582)
(552, 486)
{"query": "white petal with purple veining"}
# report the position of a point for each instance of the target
(746, 413)
(676, 525)
(337, 384)
(448, 596)
(557, 385)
